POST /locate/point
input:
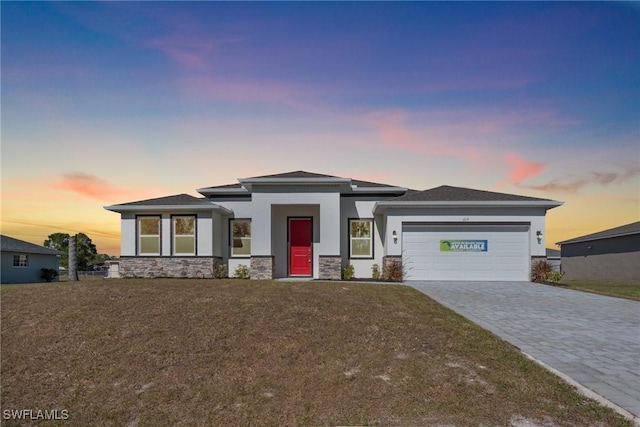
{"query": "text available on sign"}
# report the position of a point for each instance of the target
(463, 246)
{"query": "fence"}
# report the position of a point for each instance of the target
(85, 275)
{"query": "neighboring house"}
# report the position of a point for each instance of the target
(609, 254)
(302, 224)
(553, 258)
(22, 261)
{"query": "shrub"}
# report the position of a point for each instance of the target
(375, 272)
(540, 271)
(554, 276)
(221, 271)
(48, 274)
(393, 271)
(347, 272)
(241, 272)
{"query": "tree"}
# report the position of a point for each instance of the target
(85, 249)
(59, 242)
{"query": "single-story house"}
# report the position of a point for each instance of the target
(302, 224)
(609, 254)
(22, 261)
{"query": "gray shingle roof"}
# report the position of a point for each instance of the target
(9, 244)
(446, 193)
(298, 175)
(633, 228)
(175, 200)
(295, 174)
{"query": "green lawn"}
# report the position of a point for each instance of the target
(233, 352)
(629, 289)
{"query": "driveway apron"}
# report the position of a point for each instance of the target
(593, 339)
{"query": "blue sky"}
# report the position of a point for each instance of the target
(115, 101)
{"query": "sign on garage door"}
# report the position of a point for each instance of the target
(466, 251)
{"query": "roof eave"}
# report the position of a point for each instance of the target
(590, 239)
(168, 208)
(207, 191)
(356, 189)
(381, 206)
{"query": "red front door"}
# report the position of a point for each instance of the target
(300, 246)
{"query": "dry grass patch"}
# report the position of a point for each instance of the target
(181, 352)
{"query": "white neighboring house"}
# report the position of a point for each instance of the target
(302, 224)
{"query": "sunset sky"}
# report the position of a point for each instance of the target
(110, 102)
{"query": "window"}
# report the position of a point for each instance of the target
(21, 260)
(149, 235)
(240, 237)
(184, 235)
(360, 238)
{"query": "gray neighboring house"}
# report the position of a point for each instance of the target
(22, 261)
(609, 254)
(304, 224)
(553, 258)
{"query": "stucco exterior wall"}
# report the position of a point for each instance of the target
(615, 258)
(624, 266)
(271, 207)
(29, 274)
(361, 207)
(206, 239)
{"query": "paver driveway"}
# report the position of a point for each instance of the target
(593, 339)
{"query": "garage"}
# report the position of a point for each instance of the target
(466, 251)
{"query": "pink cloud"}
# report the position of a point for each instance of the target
(573, 183)
(189, 52)
(90, 186)
(396, 134)
(521, 169)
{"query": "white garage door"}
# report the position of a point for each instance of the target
(466, 252)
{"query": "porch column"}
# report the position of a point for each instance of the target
(330, 261)
(261, 257)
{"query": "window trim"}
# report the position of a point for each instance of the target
(231, 221)
(19, 258)
(174, 235)
(138, 235)
(371, 238)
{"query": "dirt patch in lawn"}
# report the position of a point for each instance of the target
(232, 352)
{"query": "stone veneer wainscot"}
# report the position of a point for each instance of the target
(171, 267)
(261, 267)
(330, 267)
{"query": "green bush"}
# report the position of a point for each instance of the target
(393, 271)
(554, 276)
(540, 271)
(347, 272)
(241, 272)
(48, 274)
(221, 271)
(375, 272)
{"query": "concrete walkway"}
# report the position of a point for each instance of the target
(592, 339)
